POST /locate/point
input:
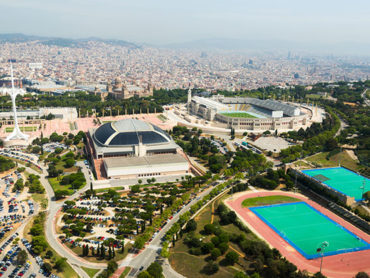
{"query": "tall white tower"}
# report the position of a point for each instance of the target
(17, 133)
(189, 99)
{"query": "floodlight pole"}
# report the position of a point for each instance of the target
(323, 245)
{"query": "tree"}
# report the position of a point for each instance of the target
(211, 268)
(48, 268)
(318, 275)
(144, 274)
(36, 230)
(362, 275)
(61, 264)
(155, 270)
(215, 253)
(69, 163)
(191, 225)
(232, 257)
(366, 196)
(241, 275)
(22, 257)
(135, 189)
(49, 254)
(112, 266)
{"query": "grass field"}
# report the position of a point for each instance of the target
(90, 271)
(101, 190)
(343, 158)
(268, 200)
(55, 184)
(306, 229)
(41, 199)
(238, 115)
(22, 128)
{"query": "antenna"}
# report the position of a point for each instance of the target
(17, 133)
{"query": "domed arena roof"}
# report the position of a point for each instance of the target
(129, 132)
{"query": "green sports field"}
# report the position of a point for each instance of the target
(238, 115)
(342, 180)
(306, 229)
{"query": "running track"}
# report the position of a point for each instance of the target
(338, 266)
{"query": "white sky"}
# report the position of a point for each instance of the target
(170, 21)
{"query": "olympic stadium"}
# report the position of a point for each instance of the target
(248, 113)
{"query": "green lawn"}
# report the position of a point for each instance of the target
(41, 199)
(238, 115)
(90, 271)
(55, 184)
(22, 128)
(106, 189)
(268, 200)
(343, 158)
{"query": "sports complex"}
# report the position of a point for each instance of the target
(304, 232)
(341, 180)
(244, 113)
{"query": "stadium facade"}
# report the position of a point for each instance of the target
(247, 113)
(134, 149)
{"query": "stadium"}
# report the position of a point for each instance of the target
(248, 113)
(134, 149)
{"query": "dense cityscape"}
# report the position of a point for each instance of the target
(98, 63)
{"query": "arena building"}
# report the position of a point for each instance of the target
(247, 113)
(130, 149)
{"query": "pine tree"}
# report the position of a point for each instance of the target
(87, 250)
(83, 250)
(173, 241)
(92, 251)
(113, 252)
(98, 251)
(110, 252)
(102, 251)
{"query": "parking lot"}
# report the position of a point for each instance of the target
(9, 267)
(15, 207)
(22, 156)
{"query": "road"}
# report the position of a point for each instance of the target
(146, 257)
(53, 208)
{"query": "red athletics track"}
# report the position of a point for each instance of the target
(338, 266)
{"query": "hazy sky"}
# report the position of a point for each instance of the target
(168, 21)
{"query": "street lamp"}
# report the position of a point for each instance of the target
(321, 250)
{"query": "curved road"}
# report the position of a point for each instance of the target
(53, 208)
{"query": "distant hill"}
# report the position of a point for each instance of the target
(63, 42)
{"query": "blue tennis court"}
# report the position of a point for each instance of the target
(342, 180)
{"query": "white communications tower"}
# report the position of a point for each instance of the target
(17, 133)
